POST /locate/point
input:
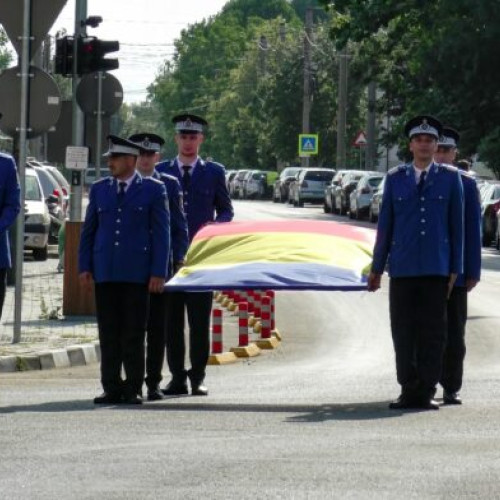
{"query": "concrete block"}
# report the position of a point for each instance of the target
(8, 364)
(54, 359)
(28, 362)
(248, 351)
(271, 343)
(81, 355)
(222, 359)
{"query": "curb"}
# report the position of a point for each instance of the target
(76, 355)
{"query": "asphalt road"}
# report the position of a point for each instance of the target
(309, 420)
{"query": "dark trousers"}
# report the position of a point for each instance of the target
(418, 324)
(198, 306)
(454, 353)
(3, 287)
(122, 311)
(155, 338)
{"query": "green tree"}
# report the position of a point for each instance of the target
(435, 57)
(5, 54)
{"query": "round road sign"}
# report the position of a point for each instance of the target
(44, 102)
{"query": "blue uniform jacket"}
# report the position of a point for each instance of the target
(472, 231)
(207, 199)
(179, 240)
(130, 242)
(10, 205)
(421, 235)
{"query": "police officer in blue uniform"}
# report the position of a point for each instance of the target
(150, 145)
(420, 235)
(206, 200)
(124, 248)
(10, 205)
(454, 354)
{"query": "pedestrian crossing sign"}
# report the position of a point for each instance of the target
(308, 144)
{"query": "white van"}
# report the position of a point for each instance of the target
(36, 217)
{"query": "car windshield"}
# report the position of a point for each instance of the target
(496, 193)
(319, 176)
(289, 172)
(374, 181)
(32, 189)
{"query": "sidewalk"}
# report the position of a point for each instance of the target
(49, 340)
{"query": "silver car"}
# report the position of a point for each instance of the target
(361, 197)
(310, 185)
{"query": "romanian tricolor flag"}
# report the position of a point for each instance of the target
(277, 255)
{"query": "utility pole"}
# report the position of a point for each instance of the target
(263, 46)
(75, 211)
(342, 110)
(370, 127)
(24, 65)
(306, 99)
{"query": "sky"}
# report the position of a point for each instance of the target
(146, 30)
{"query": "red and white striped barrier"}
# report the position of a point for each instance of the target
(217, 331)
(265, 332)
(242, 324)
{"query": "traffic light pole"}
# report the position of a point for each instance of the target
(24, 64)
(75, 211)
(98, 145)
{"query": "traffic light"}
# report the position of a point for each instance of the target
(64, 56)
(91, 55)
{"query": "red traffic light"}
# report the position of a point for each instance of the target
(92, 52)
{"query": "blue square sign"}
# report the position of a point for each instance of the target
(308, 144)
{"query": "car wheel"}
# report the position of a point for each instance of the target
(358, 214)
(41, 254)
(326, 208)
(300, 203)
(486, 240)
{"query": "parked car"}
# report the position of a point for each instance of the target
(490, 205)
(292, 186)
(280, 189)
(237, 184)
(230, 174)
(376, 202)
(53, 196)
(244, 182)
(328, 202)
(360, 198)
(66, 189)
(257, 184)
(343, 192)
(36, 217)
(310, 185)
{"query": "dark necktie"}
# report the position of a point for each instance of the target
(421, 181)
(121, 191)
(186, 178)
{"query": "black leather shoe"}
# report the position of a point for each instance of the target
(132, 399)
(451, 398)
(428, 404)
(175, 388)
(108, 398)
(199, 390)
(155, 394)
(403, 402)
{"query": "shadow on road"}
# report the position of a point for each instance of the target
(302, 413)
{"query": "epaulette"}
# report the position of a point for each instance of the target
(152, 179)
(102, 179)
(394, 170)
(451, 168)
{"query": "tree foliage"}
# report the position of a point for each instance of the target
(5, 54)
(245, 74)
(436, 57)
